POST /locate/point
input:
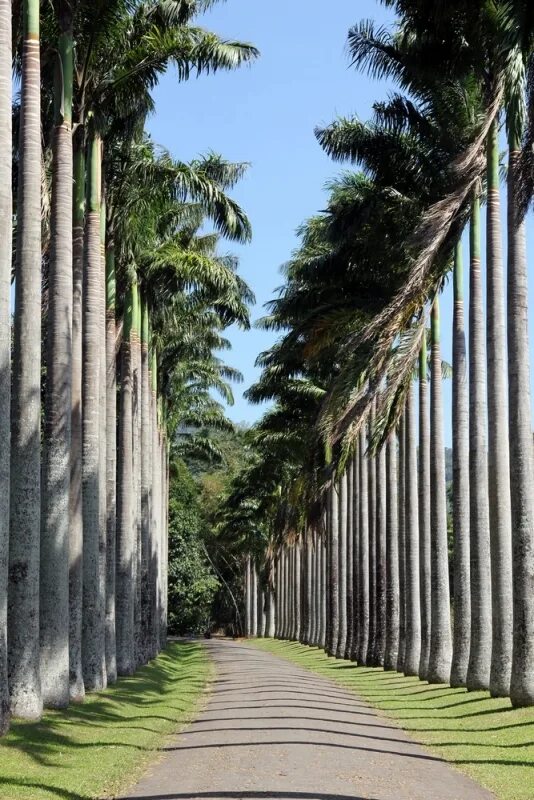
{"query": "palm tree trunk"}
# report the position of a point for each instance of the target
(307, 616)
(402, 543)
(298, 594)
(460, 484)
(153, 577)
(93, 623)
(6, 212)
(254, 599)
(371, 475)
(77, 689)
(54, 577)
(380, 556)
(424, 510)
(498, 445)
(355, 553)
(146, 470)
(342, 568)
(111, 462)
(248, 598)
(333, 576)
(314, 589)
(363, 553)
(478, 671)
(25, 490)
(350, 565)
(520, 434)
(125, 543)
(392, 557)
(412, 655)
(102, 453)
(439, 666)
(322, 594)
(136, 472)
(272, 619)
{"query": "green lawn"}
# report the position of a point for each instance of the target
(95, 749)
(483, 737)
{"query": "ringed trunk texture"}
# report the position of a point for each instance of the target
(54, 577)
(392, 557)
(333, 576)
(381, 523)
(498, 444)
(371, 475)
(350, 557)
(77, 689)
(93, 623)
(520, 433)
(439, 667)
(6, 211)
(460, 484)
(342, 550)
(411, 537)
(135, 344)
(25, 491)
(363, 552)
(111, 464)
(355, 553)
(146, 471)
(478, 671)
(401, 547)
(424, 510)
(124, 596)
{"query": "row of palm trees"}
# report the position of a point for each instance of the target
(121, 300)
(350, 465)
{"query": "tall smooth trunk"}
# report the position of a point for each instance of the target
(520, 437)
(136, 474)
(424, 511)
(6, 212)
(439, 666)
(77, 689)
(371, 476)
(380, 462)
(460, 484)
(103, 432)
(124, 589)
(363, 552)
(412, 655)
(93, 622)
(323, 593)
(333, 576)
(153, 578)
(350, 555)
(25, 489)
(355, 553)
(391, 654)
(111, 462)
(342, 568)
(307, 615)
(298, 593)
(146, 470)
(401, 544)
(498, 445)
(54, 577)
(478, 671)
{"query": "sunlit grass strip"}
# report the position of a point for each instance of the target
(483, 737)
(95, 749)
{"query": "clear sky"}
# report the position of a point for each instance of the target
(265, 114)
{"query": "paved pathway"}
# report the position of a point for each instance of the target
(274, 730)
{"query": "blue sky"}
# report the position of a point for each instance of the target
(265, 114)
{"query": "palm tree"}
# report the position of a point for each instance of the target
(77, 689)
(25, 494)
(478, 671)
(6, 204)
(439, 665)
(135, 350)
(54, 576)
(355, 553)
(424, 510)
(342, 568)
(402, 543)
(371, 475)
(381, 566)
(350, 558)
(333, 569)
(363, 552)
(392, 557)
(412, 654)
(93, 624)
(146, 471)
(111, 460)
(460, 487)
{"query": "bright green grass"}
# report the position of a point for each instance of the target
(96, 749)
(483, 737)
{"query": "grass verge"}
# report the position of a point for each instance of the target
(97, 749)
(483, 737)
